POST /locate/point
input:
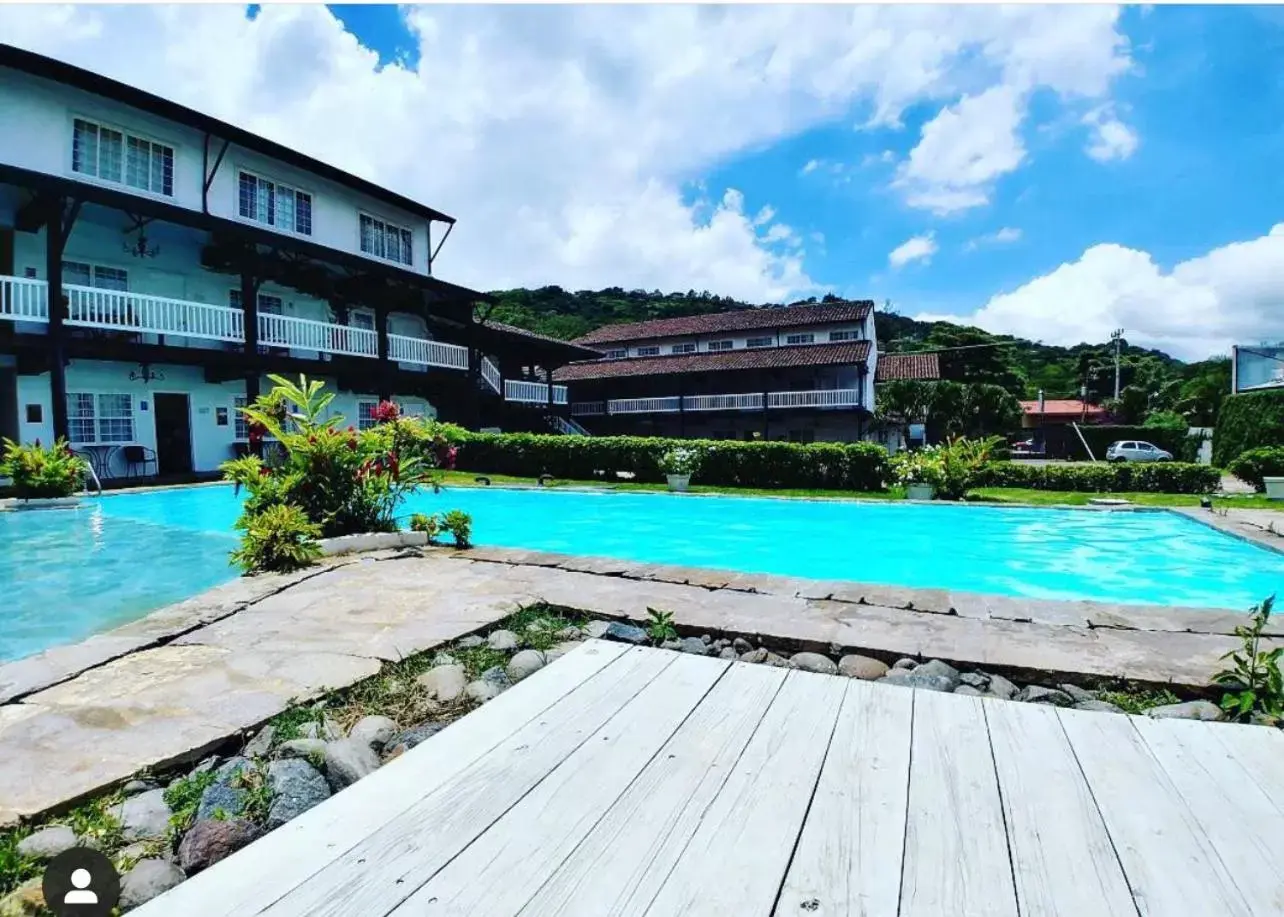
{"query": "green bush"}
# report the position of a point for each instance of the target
(40, 472)
(1255, 464)
(1248, 421)
(1126, 477)
(279, 539)
(724, 463)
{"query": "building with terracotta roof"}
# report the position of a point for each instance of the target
(1060, 411)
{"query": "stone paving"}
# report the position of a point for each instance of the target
(166, 689)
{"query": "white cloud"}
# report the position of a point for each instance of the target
(811, 166)
(1110, 138)
(874, 159)
(1200, 307)
(563, 137)
(1005, 236)
(918, 248)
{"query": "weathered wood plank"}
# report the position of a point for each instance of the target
(616, 869)
(848, 861)
(1062, 858)
(1171, 866)
(273, 865)
(956, 852)
(1241, 822)
(1260, 753)
(497, 874)
(737, 857)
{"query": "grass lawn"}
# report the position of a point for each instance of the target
(1053, 497)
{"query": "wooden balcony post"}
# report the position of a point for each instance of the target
(250, 306)
(385, 370)
(766, 407)
(548, 389)
(62, 216)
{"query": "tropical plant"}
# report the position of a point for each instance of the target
(918, 466)
(961, 460)
(457, 522)
(428, 524)
(42, 471)
(680, 460)
(1253, 683)
(659, 625)
(278, 539)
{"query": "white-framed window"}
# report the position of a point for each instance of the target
(273, 203)
(721, 345)
(365, 414)
(268, 304)
(95, 275)
(683, 348)
(807, 338)
(649, 351)
(100, 418)
(387, 240)
(760, 342)
(844, 336)
(363, 320)
(616, 354)
(242, 425)
(113, 155)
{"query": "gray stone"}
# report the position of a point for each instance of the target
(524, 664)
(444, 659)
(559, 650)
(207, 842)
(503, 640)
(1264, 719)
(296, 787)
(326, 730)
(707, 638)
(1101, 705)
(1037, 694)
(625, 633)
(261, 744)
(143, 816)
(496, 676)
(301, 748)
(905, 664)
(347, 761)
(596, 629)
(814, 662)
(134, 787)
(674, 645)
(1191, 710)
(411, 737)
(482, 691)
(207, 765)
(742, 645)
(445, 682)
(695, 646)
(47, 843)
(862, 667)
(570, 633)
(471, 642)
(222, 800)
(728, 652)
(917, 678)
(777, 661)
(944, 670)
(975, 680)
(758, 655)
(1080, 695)
(375, 731)
(969, 691)
(146, 880)
(1001, 688)
(720, 645)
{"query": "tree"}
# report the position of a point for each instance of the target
(902, 402)
(972, 355)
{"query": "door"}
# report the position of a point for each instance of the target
(173, 434)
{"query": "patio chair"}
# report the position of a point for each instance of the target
(134, 456)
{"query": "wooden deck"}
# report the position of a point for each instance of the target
(632, 781)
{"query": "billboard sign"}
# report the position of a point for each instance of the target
(1257, 366)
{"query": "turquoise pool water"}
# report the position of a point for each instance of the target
(65, 574)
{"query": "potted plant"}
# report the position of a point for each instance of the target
(43, 476)
(679, 465)
(920, 471)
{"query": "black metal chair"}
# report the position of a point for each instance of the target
(135, 456)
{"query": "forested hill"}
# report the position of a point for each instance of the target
(1152, 381)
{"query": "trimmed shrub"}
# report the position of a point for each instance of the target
(1127, 477)
(1248, 421)
(723, 463)
(1255, 464)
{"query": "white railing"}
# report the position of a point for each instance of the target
(823, 398)
(567, 427)
(532, 392)
(24, 300)
(92, 307)
(643, 405)
(490, 373)
(402, 349)
(748, 402)
(306, 334)
(588, 408)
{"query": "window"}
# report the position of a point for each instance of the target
(800, 338)
(361, 320)
(220, 417)
(268, 305)
(843, 336)
(115, 156)
(648, 351)
(274, 204)
(616, 354)
(242, 425)
(760, 342)
(95, 275)
(682, 348)
(387, 241)
(721, 345)
(35, 413)
(100, 418)
(365, 414)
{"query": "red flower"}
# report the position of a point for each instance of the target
(263, 471)
(385, 412)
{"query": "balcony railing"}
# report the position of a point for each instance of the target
(532, 392)
(23, 300)
(306, 334)
(426, 353)
(749, 402)
(119, 310)
(588, 408)
(643, 405)
(822, 398)
(490, 372)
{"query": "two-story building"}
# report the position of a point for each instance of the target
(156, 263)
(799, 373)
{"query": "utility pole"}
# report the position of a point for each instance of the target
(1117, 337)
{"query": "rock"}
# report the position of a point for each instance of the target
(375, 731)
(720, 645)
(143, 816)
(758, 655)
(347, 761)
(695, 646)
(503, 640)
(1037, 694)
(207, 765)
(1264, 719)
(559, 650)
(444, 659)
(596, 629)
(134, 787)
(944, 670)
(917, 678)
(301, 748)
(1001, 688)
(144, 850)
(207, 842)
(742, 645)
(225, 795)
(445, 682)
(47, 843)
(674, 645)
(27, 900)
(1101, 705)
(969, 691)
(904, 664)
(570, 633)
(146, 880)
(624, 633)
(261, 744)
(470, 642)
(777, 661)
(482, 691)
(1078, 694)
(707, 638)
(404, 741)
(862, 667)
(296, 787)
(728, 652)
(1191, 710)
(814, 662)
(496, 676)
(975, 680)
(524, 664)
(326, 730)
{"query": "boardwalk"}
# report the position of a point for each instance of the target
(633, 781)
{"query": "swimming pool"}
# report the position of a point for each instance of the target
(68, 573)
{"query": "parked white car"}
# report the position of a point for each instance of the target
(1130, 450)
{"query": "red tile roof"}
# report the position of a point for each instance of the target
(757, 358)
(568, 347)
(738, 320)
(1062, 406)
(916, 366)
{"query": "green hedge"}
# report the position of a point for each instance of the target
(1254, 464)
(1131, 477)
(1248, 421)
(726, 463)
